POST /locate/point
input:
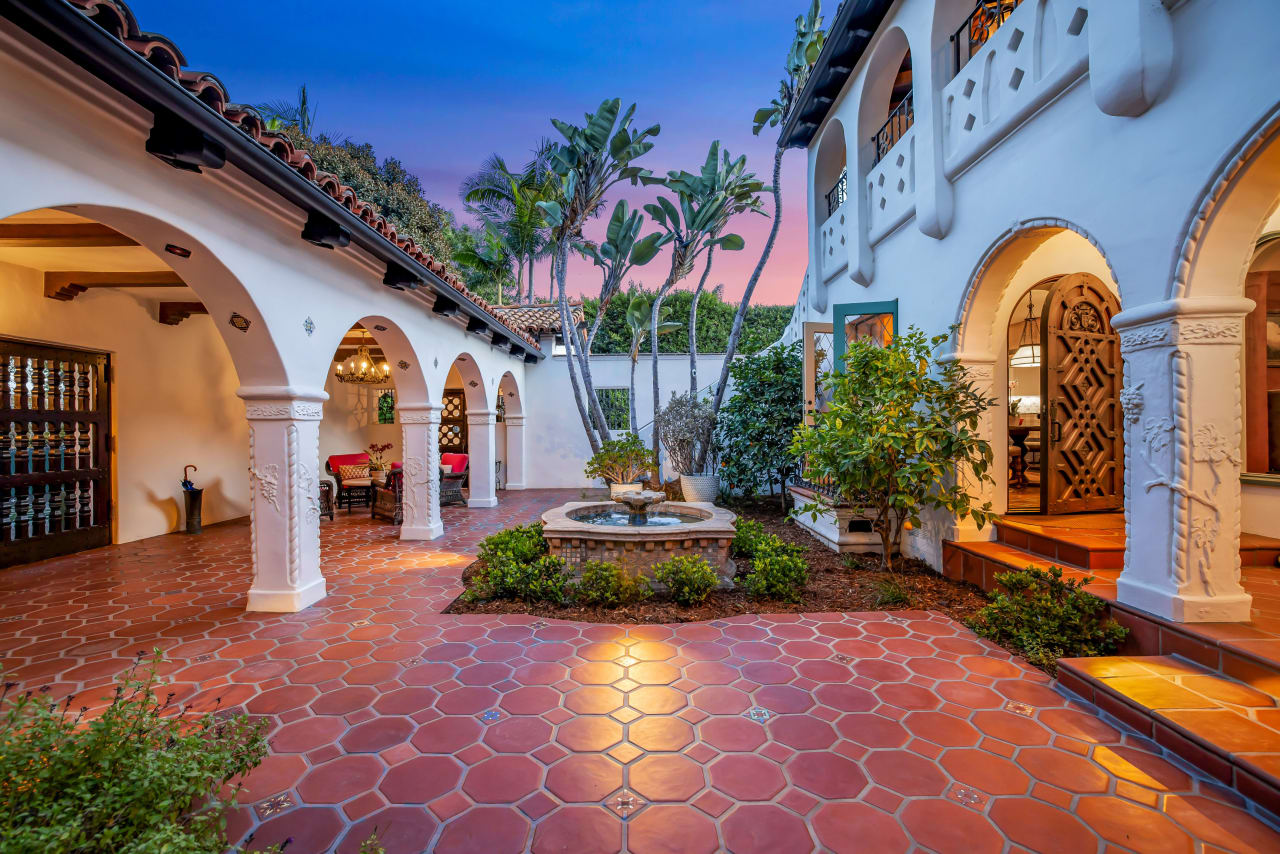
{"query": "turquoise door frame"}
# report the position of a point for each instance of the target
(842, 311)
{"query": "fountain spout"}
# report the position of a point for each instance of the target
(638, 504)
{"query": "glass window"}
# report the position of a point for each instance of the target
(616, 405)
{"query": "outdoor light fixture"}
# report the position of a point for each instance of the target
(1027, 355)
(180, 251)
(360, 369)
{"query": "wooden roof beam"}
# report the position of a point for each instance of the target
(60, 235)
(67, 284)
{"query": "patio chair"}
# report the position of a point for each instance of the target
(351, 473)
(388, 499)
(453, 473)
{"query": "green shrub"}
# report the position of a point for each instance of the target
(610, 585)
(622, 460)
(750, 534)
(137, 778)
(523, 543)
(890, 592)
(688, 578)
(1047, 617)
(507, 577)
(777, 572)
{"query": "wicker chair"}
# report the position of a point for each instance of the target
(388, 499)
(451, 482)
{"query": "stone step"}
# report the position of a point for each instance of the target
(1090, 549)
(1228, 729)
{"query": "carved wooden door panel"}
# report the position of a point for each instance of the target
(55, 463)
(1080, 379)
(453, 423)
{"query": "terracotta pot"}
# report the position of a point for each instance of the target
(618, 488)
(700, 487)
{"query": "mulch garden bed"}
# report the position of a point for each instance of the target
(836, 583)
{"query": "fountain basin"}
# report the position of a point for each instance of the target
(581, 531)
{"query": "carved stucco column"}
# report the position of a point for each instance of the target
(284, 499)
(482, 448)
(420, 440)
(515, 451)
(1182, 404)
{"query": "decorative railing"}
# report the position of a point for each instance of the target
(900, 120)
(837, 194)
(978, 27)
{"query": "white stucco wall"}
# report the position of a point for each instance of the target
(557, 445)
(173, 399)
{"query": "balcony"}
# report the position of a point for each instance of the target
(837, 194)
(833, 240)
(901, 118)
(979, 27)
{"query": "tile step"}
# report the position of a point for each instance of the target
(978, 562)
(1224, 727)
(1100, 549)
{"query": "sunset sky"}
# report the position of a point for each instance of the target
(441, 85)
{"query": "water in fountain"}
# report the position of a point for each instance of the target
(638, 512)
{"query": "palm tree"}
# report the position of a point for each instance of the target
(707, 201)
(592, 159)
(487, 256)
(805, 48)
(279, 114)
(639, 309)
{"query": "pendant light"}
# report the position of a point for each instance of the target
(1027, 354)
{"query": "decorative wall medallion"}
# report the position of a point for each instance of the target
(380, 328)
(473, 383)
(402, 365)
(435, 363)
(239, 321)
(309, 325)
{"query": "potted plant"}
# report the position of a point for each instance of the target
(685, 426)
(375, 452)
(622, 463)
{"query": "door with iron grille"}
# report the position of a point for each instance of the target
(1081, 372)
(453, 423)
(55, 466)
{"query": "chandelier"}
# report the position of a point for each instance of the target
(1027, 355)
(360, 368)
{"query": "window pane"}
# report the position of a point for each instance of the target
(616, 405)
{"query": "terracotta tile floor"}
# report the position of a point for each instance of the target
(838, 732)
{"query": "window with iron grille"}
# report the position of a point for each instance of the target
(387, 407)
(616, 405)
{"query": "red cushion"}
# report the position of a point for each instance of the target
(455, 462)
(337, 460)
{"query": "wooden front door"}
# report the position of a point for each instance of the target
(55, 464)
(1080, 378)
(453, 423)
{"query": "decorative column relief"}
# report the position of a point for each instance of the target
(284, 499)
(420, 432)
(515, 451)
(482, 448)
(1182, 405)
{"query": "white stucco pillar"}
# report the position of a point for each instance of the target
(981, 370)
(284, 497)
(420, 440)
(515, 451)
(482, 448)
(1182, 413)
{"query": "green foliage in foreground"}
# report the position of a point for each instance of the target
(137, 778)
(754, 427)
(1047, 617)
(523, 543)
(688, 579)
(542, 579)
(609, 585)
(749, 536)
(777, 572)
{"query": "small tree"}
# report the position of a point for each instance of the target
(623, 460)
(754, 428)
(900, 436)
(686, 424)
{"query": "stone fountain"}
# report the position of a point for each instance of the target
(638, 529)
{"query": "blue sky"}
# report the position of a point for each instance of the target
(442, 85)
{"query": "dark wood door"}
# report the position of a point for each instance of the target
(453, 423)
(1082, 466)
(55, 463)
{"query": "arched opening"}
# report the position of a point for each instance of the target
(830, 173)
(122, 345)
(1056, 375)
(509, 437)
(887, 109)
(375, 377)
(1230, 251)
(467, 437)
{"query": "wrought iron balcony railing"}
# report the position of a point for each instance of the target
(978, 27)
(899, 122)
(837, 194)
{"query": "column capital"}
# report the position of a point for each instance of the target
(282, 403)
(514, 420)
(1188, 320)
(480, 417)
(428, 413)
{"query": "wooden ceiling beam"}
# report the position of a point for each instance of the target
(60, 235)
(173, 313)
(67, 285)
